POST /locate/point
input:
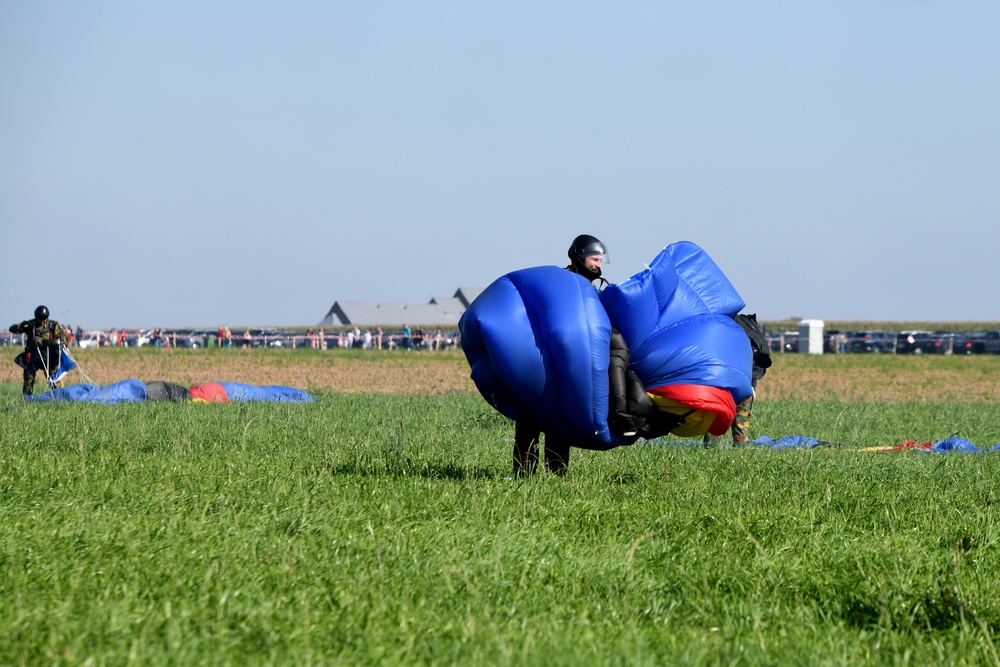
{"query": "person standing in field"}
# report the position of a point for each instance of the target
(587, 255)
(41, 347)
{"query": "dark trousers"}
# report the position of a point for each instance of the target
(31, 362)
(527, 441)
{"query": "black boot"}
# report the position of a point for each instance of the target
(525, 449)
(556, 455)
(28, 388)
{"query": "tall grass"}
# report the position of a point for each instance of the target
(387, 530)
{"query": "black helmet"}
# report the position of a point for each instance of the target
(41, 313)
(584, 245)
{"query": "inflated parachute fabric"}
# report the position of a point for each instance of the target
(676, 317)
(537, 341)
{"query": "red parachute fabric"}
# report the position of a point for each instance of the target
(908, 445)
(701, 397)
(209, 392)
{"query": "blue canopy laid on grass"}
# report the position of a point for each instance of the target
(136, 391)
(127, 391)
(786, 442)
(952, 444)
(945, 446)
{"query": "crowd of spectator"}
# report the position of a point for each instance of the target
(368, 338)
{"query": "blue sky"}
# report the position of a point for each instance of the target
(249, 163)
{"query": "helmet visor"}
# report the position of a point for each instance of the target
(595, 248)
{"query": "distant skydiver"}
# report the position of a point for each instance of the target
(41, 347)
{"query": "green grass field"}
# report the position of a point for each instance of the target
(387, 530)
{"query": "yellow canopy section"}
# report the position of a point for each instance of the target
(696, 423)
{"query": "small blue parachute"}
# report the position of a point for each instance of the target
(126, 391)
(66, 364)
(538, 343)
(137, 391)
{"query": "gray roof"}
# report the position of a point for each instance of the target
(467, 294)
(394, 314)
(450, 303)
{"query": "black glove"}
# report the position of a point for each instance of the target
(660, 423)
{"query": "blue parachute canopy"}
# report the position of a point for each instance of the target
(66, 364)
(127, 391)
(136, 391)
(538, 341)
(676, 318)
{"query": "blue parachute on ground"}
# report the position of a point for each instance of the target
(137, 391)
(538, 343)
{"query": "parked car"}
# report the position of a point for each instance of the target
(919, 342)
(187, 339)
(831, 341)
(258, 338)
(93, 339)
(954, 341)
(139, 338)
(987, 342)
(876, 342)
(991, 342)
(286, 339)
(787, 341)
(968, 344)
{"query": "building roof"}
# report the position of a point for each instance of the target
(467, 294)
(439, 311)
(364, 313)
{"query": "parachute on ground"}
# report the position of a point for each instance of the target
(136, 391)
